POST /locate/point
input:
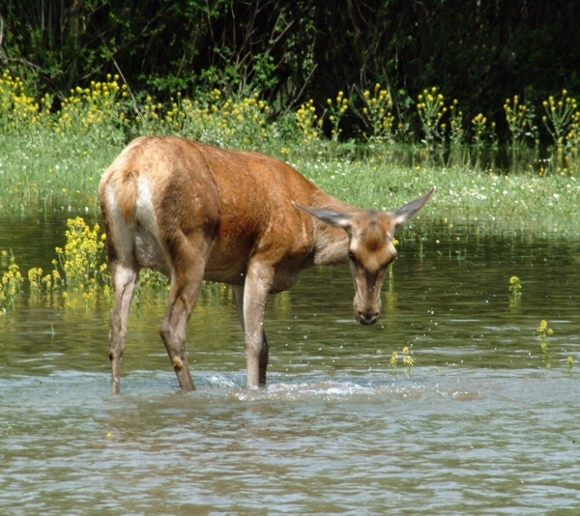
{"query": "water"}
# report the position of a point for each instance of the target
(479, 425)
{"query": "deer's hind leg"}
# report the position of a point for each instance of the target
(187, 269)
(124, 277)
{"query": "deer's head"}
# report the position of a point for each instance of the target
(370, 249)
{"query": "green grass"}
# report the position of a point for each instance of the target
(43, 171)
(494, 202)
(52, 162)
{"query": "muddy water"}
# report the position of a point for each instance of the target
(482, 423)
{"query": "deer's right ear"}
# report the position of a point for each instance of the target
(334, 218)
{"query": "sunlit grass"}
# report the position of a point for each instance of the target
(52, 160)
(463, 196)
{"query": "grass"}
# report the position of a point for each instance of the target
(58, 173)
(464, 196)
(52, 161)
(43, 171)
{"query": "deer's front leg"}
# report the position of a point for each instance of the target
(239, 302)
(255, 296)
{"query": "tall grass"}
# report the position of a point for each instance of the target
(53, 159)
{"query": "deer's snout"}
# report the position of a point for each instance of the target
(367, 319)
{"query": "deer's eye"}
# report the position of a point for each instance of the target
(351, 256)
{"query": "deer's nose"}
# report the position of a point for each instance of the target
(368, 319)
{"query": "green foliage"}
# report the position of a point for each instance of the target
(53, 160)
(96, 112)
(336, 110)
(515, 288)
(81, 262)
(308, 124)
(293, 51)
(480, 130)
(19, 111)
(81, 257)
(457, 132)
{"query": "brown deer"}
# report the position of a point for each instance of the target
(197, 212)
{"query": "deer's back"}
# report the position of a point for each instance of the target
(164, 187)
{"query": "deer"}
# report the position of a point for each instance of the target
(197, 212)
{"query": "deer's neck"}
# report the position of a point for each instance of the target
(330, 243)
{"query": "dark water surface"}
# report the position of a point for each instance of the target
(479, 424)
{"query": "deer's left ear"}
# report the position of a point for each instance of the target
(410, 209)
(334, 218)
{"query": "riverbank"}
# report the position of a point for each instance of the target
(45, 172)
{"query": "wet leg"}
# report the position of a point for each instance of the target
(263, 362)
(124, 277)
(186, 278)
(258, 284)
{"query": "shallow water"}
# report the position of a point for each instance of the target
(478, 425)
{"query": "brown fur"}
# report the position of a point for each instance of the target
(197, 212)
(123, 179)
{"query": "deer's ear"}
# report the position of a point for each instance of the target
(334, 218)
(410, 209)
